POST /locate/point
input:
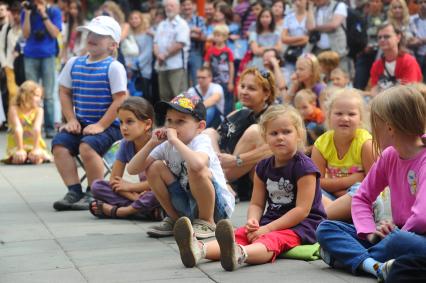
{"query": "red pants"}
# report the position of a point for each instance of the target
(276, 241)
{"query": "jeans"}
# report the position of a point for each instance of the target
(44, 69)
(229, 99)
(362, 69)
(195, 62)
(421, 59)
(340, 240)
(212, 115)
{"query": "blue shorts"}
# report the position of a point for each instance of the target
(350, 191)
(185, 204)
(99, 142)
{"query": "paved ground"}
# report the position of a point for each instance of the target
(38, 244)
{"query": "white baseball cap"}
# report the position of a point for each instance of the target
(104, 25)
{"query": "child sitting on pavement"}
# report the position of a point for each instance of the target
(183, 169)
(92, 87)
(288, 182)
(119, 198)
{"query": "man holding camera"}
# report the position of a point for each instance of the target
(41, 25)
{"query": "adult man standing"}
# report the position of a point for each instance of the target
(325, 24)
(41, 25)
(395, 65)
(171, 46)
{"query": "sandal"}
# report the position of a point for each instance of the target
(99, 212)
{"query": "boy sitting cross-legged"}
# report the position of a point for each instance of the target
(183, 170)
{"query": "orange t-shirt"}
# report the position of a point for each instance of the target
(317, 116)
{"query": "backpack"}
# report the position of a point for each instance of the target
(355, 30)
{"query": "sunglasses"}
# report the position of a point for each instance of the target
(265, 74)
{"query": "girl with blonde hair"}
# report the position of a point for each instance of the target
(398, 119)
(24, 141)
(306, 76)
(286, 184)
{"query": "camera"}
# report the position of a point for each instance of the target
(39, 35)
(29, 5)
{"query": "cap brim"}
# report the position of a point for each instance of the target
(93, 29)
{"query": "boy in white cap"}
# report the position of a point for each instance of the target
(92, 87)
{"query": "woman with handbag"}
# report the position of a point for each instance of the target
(295, 36)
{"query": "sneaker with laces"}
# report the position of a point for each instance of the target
(384, 269)
(232, 255)
(203, 229)
(191, 250)
(69, 198)
(84, 202)
(163, 229)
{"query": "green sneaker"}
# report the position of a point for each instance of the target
(163, 229)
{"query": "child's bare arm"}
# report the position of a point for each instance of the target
(258, 199)
(15, 125)
(109, 116)
(231, 77)
(195, 160)
(117, 169)
(306, 186)
(141, 161)
(72, 125)
(37, 128)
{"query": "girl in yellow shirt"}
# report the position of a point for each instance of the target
(344, 154)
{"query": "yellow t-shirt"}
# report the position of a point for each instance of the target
(351, 161)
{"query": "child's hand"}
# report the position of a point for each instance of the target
(384, 228)
(93, 129)
(118, 184)
(36, 156)
(159, 135)
(253, 236)
(72, 126)
(19, 157)
(171, 135)
(252, 225)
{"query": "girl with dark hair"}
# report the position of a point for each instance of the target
(263, 38)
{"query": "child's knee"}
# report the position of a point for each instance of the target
(86, 151)
(60, 151)
(202, 174)
(155, 169)
(323, 229)
(98, 185)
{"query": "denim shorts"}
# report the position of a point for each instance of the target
(351, 191)
(100, 142)
(185, 204)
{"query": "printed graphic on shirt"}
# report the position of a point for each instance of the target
(412, 181)
(180, 171)
(220, 67)
(280, 192)
(337, 172)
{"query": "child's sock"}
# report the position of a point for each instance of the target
(76, 188)
(370, 265)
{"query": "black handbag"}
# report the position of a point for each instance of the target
(292, 53)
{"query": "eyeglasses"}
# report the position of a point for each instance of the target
(385, 37)
(201, 78)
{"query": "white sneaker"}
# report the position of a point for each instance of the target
(191, 250)
(232, 255)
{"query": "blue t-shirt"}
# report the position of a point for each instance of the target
(40, 44)
(281, 186)
(126, 152)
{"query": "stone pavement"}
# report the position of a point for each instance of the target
(38, 244)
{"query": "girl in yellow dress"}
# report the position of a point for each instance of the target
(24, 141)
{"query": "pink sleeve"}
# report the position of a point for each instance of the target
(417, 221)
(362, 202)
